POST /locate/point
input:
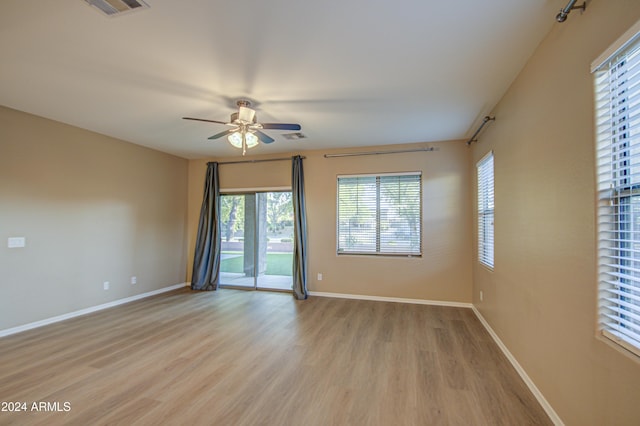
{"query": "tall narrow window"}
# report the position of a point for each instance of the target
(485, 210)
(380, 214)
(617, 92)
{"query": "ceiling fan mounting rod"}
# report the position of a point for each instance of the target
(243, 103)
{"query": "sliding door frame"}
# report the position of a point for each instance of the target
(254, 192)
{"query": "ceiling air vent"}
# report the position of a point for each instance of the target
(117, 7)
(294, 136)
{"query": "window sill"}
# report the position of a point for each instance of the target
(486, 267)
(620, 344)
(407, 255)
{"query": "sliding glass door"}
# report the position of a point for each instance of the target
(257, 240)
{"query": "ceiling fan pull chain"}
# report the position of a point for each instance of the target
(244, 142)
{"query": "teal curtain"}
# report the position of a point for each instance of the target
(206, 259)
(299, 230)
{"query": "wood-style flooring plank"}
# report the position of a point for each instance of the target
(257, 358)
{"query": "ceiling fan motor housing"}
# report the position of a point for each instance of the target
(235, 117)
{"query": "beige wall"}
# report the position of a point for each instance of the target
(541, 298)
(92, 209)
(444, 271)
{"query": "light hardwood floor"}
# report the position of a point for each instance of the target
(255, 358)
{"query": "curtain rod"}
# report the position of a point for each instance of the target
(485, 120)
(351, 154)
(258, 161)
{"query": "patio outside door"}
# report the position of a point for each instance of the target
(257, 240)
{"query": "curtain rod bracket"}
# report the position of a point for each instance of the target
(562, 15)
(485, 120)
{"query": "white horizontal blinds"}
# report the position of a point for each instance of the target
(617, 85)
(380, 214)
(357, 201)
(399, 214)
(485, 210)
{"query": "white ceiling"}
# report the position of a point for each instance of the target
(351, 72)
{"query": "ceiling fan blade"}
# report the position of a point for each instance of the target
(202, 119)
(264, 137)
(221, 134)
(281, 126)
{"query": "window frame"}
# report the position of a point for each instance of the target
(340, 251)
(617, 142)
(486, 255)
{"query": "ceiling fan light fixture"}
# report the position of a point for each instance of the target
(252, 140)
(235, 139)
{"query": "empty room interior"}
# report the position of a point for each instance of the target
(313, 213)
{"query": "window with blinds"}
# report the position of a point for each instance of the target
(485, 210)
(617, 93)
(380, 214)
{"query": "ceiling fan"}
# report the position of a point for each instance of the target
(245, 130)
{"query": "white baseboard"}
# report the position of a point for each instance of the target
(523, 374)
(85, 311)
(390, 299)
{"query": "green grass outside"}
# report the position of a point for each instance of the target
(277, 264)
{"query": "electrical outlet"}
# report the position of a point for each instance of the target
(481, 296)
(134, 280)
(106, 285)
(319, 276)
